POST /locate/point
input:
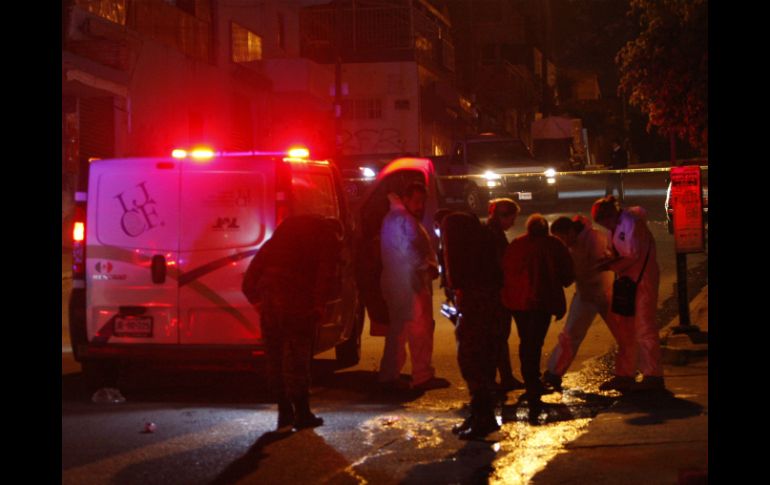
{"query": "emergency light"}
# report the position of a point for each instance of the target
(179, 153)
(299, 152)
(203, 153)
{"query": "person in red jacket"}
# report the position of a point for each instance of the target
(537, 267)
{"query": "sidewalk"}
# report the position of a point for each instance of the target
(649, 438)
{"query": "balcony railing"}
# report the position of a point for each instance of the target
(376, 33)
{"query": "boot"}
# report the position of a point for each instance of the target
(483, 420)
(285, 413)
(480, 427)
(466, 424)
(304, 418)
(552, 380)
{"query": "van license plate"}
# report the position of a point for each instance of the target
(525, 195)
(133, 326)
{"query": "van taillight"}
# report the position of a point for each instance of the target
(79, 232)
(79, 239)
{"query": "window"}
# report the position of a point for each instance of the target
(314, 194)
(174, 25)
(246, 45)
(362, 109)
(112, 10)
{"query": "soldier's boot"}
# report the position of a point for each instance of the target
(285, 413)
(466, 424)
(303, 416)
(483, 420)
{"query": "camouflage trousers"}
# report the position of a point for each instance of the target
(289, 341)
(478, 334)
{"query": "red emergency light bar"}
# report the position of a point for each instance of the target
(295, 153)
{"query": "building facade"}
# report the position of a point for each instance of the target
(394, 62)
(504, 63)
(141, 77)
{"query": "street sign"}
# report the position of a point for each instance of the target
(687, 202)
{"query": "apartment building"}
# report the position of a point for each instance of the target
(141, 77)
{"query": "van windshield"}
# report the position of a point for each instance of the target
(499, 153)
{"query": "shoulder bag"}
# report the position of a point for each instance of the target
(624, 292)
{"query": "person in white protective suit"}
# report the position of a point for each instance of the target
(409, 266)
(637, 335)
(590, 249)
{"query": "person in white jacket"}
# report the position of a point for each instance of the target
(637, 335)
(590, 249)
(409, 266)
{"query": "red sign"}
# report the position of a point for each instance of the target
(686, 200)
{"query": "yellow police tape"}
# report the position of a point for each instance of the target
(541, 174)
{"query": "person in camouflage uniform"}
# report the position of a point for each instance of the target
(289, 281)
(470, 261)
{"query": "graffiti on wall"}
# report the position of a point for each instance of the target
(386, 140)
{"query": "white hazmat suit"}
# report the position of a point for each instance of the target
(408, 263)
(637, 336)
(592, 295)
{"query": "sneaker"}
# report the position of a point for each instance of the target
(432, 383)
(650, 383)
(552, 380)
(618, 383)
(394, 385)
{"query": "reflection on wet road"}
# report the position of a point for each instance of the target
(418, 447)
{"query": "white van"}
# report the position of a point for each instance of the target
(161, 246)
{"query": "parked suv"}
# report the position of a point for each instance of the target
(161, 246)
(488, 166)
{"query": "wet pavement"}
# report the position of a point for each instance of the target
(221, 430)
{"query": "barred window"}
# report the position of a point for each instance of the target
(362, 109)
(246, 45)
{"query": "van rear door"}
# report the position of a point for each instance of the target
(225, 216)
(132, 250)
(314, 190)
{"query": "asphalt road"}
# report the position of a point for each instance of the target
(213, 425)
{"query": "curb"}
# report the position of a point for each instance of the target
(683, 348)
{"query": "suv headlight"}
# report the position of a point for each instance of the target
(493, 179)
(550, 176)
(367, 173)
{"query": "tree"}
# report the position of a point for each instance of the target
(664, 71)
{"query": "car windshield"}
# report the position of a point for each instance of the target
(499, 153)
